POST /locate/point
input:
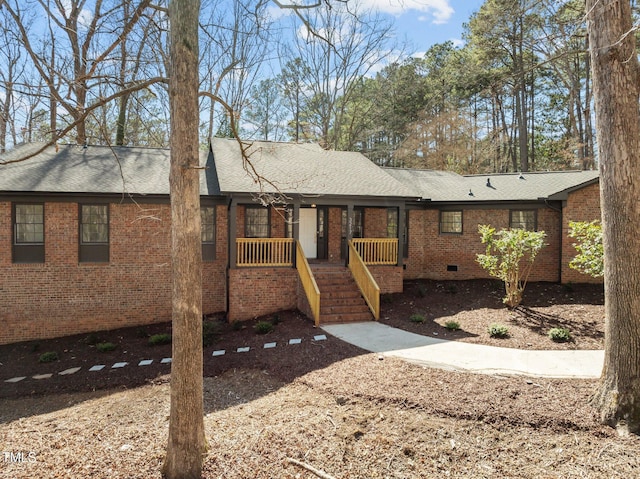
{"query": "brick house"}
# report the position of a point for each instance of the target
(85, 246)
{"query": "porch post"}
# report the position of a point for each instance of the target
(349, 230)
(233, 234)
(401, 220)
(296, 219)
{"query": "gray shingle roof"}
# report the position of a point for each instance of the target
(94, 170)
(443, 186)
(303, 169)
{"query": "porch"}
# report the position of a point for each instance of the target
(275, 273)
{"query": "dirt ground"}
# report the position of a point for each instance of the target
(325, 403)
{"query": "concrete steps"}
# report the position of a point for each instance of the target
(340, 298)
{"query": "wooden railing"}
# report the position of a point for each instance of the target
(377, 250)
(308, 283)
(368, 286)
(264, 251)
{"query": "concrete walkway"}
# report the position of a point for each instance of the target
(477, 358)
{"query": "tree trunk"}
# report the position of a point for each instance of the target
(616, 90)
(186, 443)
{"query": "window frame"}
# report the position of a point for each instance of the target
(393, 218)
(264, 209)
(208, 246)
(533, 211)
(27, 251)
(93, 251)
(442, 222)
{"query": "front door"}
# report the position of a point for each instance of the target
(308, 232)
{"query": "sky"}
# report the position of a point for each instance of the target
(427, 22)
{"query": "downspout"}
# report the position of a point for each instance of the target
(559, 210)
(229, 246)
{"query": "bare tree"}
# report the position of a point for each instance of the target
(77, 48)
(236, 42)
(10, 59)
(337, 44)
(616, 90)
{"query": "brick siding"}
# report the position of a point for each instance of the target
(389, 278)
(61, 296)
(254, 292)
(431, 253)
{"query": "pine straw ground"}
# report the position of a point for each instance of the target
(332, 407)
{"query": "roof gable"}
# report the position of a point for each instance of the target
(301, 168)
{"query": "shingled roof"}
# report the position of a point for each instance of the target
(75, 169)
(444, 186)
(302, 168)
(291, 168)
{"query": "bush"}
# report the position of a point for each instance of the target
(498, 331)
(263, 327)
(509, 257)
(48, 357)
(386, 298)
(157, 339)
(276, 319)
(417, 318)
(590, 257)
(210, 331)
(142, 332)
(237, 325)
(560, 335)
(422, 290)
(452, 325)
(105, 347)
(92, 339)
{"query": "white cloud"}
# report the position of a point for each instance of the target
(438, 10)
(457, 42)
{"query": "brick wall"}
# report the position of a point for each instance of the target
(582, 205)
(61, 296)
(257, 291)
(389, 278)
(431, 253)
(375, 223)
(335, 235)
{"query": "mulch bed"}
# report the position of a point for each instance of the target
(326, 404)
(476, 304)
(473, 304)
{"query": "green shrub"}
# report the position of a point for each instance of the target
(417, 318)
(498, 331)
(92, 339)
(590, 257)
(263, 327)
(276, 319)
(560, 335)
(452, 325)
(210, 331)
(157, 339)
(237, 325)
(48, 357)
(142, 332)
(105, 347)
(509, 256)
(386, 298)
